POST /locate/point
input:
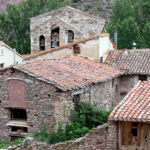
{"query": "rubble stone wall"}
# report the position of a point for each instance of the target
(101, 138)
(44, 104)
(127, 82)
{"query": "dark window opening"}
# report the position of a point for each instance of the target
(143, 77)
(1, 66)
(134, 132)
(18, 114)
(76, 100)
(55, 37)
(116, 88)
(112, 82)
(122, 96)
(70, 36)
(42, 43)
(19, 129)
(76, 49)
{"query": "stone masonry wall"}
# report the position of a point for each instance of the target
(105, 94)
(101, 138)
(44, 104)
(127, 82)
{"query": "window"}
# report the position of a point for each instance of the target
(42, 43)
(122, 96)
(134, 129)
(70, 36)
(55, 37)
(106, 106)
(2, 52)
(15, 129)
(76, 49)
(143, 77)
(18, 114)
(1, 65)
(76, 100)
(116, 88)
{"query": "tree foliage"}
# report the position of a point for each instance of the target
(131, 20)
(15, 22)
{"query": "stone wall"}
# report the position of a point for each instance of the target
(44, 103)
(127, 82)
(101, 138)
(105, 94)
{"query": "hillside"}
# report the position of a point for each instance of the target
(3, 3)
(102, 8)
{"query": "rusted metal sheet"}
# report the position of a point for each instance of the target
(17, 93)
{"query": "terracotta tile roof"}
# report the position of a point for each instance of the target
(64, 46)
(71, 72)
(130, 61)
(135, 106)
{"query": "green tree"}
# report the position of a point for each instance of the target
(130, 19)
(15, 23)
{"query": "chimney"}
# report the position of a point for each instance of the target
(115, 40)
(14, 56)
(134, 45)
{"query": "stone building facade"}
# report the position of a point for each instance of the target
(62, 26)
(135, 65)
(30, 96)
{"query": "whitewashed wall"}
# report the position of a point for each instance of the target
(7, 56)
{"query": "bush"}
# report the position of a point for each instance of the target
(83, 119)
(4, 144)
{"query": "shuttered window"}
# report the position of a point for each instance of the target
(17, 93)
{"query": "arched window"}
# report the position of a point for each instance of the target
(42, 43)
(70, 36)
(55, 37)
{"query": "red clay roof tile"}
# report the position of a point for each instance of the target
(135, 106)
(72, 71)
(131, 61)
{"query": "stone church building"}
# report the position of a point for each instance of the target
(62, 26)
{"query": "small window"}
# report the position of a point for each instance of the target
(106, 106)
(76, 49)
(1, 66)
(116, 88)
(76, 100)
(122, 96)
(134, 132)
(70, 36)
(2, 52)
(143, 77)
(18, 114)
(42, 43)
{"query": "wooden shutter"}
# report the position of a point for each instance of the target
(17, 93)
